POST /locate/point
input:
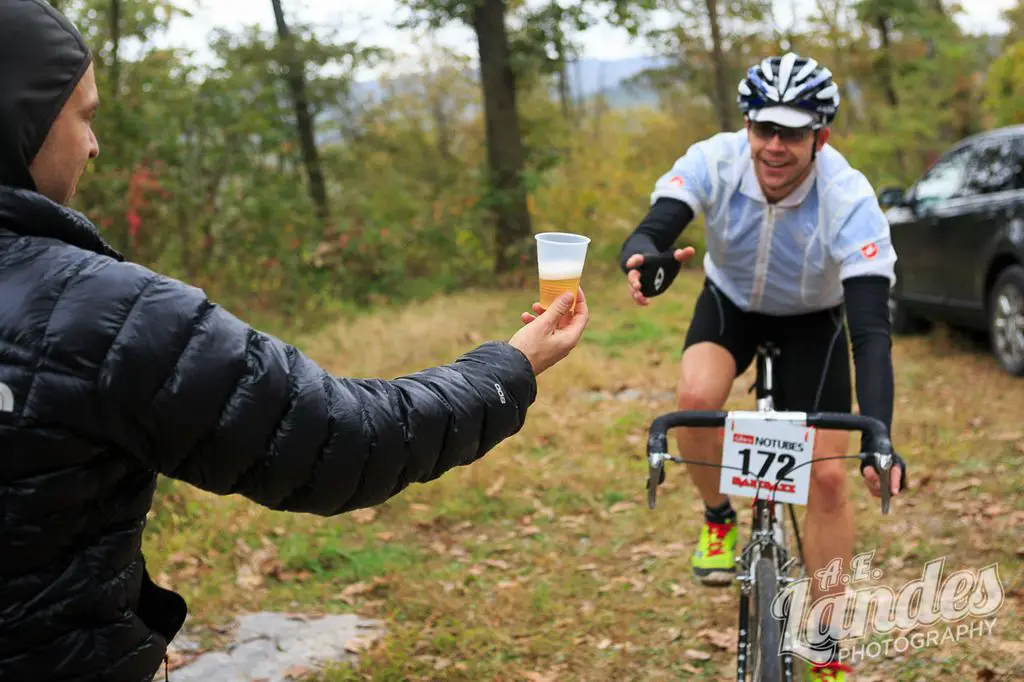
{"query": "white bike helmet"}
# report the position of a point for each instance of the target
(791, 90)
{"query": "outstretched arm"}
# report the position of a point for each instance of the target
(659, 229)
(200, 396)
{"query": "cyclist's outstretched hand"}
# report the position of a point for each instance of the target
(549, 335)
(645, 282)
(897, 476)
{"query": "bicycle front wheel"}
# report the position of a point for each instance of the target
(766, 663)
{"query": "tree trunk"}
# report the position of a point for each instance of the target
(297, 84)
(563, 78)
(882, 24)
(115, 41)
(889, 80)
(722, 100)
(505, 153)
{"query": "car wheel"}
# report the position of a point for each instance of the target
(1006, 319)
(902, 320)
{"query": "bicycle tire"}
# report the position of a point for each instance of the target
(793, 669)
(766, 664)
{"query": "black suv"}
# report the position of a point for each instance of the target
(959, 238)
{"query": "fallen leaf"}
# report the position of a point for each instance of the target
(690, 669)
(611, 585)
(497, 563)
(182, 558)
(540, 677)
(604, 644)
(986, 675)
(965, 485)
(360, 589)
(364, 516)
(362, 642)
(356, 589)
(677, 590)
(993, 510)
(493, 488)
(725, 640)
(530, 530)
(419, 508)
(294, 672)
(673, 634)
(697, 655)
(386, 536)
(247, 578)
(621, 506)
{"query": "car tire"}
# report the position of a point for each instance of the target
(1006, 319)
(902, 321)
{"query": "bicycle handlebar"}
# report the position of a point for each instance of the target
(657, 441)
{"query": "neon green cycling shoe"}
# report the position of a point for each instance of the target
(714, 560)
(833, 672)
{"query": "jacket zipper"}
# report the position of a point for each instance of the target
(764, 249)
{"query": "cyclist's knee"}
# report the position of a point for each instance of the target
(828, 485)
(695, 399)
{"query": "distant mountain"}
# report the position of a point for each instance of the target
(587, 78)
(592, 76)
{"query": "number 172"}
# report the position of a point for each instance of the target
(787, 460)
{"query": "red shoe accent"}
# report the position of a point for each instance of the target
(829, 670)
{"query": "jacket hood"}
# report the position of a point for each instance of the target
(42, 59)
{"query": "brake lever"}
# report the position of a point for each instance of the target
(655, 471)
(883, 464)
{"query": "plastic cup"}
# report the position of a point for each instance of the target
(560, 259)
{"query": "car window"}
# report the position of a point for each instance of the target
(996, 167)
(944, 180)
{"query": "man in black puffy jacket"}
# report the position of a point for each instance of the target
(111, 374)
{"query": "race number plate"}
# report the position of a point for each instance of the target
(766, 459)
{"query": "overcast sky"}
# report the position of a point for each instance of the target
(371, 21)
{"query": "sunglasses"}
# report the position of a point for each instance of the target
(766, 131)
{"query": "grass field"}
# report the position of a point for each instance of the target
(542, 562)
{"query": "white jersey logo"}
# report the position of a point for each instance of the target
(6, 398)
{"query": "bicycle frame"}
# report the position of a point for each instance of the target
(768, 536)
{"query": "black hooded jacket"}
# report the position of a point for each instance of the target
(111, 374)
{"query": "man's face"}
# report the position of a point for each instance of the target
(782, 156)
(69, 145)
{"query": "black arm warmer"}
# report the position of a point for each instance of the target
(867, 313)
(659, 229)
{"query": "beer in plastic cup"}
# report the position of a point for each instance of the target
(560, 258)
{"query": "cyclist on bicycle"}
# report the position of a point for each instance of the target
(794, 235)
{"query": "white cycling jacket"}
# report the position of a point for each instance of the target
(790, 257)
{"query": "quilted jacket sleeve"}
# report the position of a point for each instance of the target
(203, 397)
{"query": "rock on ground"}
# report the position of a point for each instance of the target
(277, 647)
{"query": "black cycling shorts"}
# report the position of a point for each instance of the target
(813, 367)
